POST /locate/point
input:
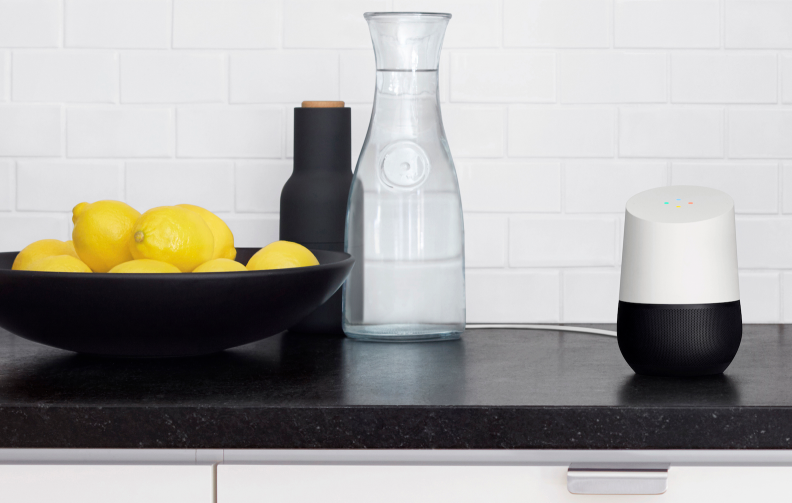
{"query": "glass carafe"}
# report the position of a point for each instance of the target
(404, 219)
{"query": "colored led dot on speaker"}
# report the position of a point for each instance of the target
(678, 199)
(665, 203)
(690, 203)
(679, 206)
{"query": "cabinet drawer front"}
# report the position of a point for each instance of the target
(107, 483)
(469, 484)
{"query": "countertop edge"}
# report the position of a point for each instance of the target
(395, 427)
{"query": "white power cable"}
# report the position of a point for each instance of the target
(562, 328)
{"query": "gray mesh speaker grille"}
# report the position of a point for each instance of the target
(679, 339)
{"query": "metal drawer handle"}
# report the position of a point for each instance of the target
(617, 478)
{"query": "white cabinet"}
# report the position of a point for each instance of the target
(300, 476)
(469, 484)
(106, 483)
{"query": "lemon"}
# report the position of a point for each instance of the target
(223, 238)
(41, 249)
(144, 266)
(101, 232)
(59, 263)
(281, 255)
(220, 265)
(174, 235)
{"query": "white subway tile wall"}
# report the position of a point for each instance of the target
(605, 186)
(557, 23)
(30, 23)
(761, 296)
(677, 24)
(785, 64)
(356, 70)
(786, 306)
(760, 133)
(670, 132)
(56, 185)
(478, 131)
(65, 76)
(333, 24)
(556, 111)
(226, 24)
(561, 132)
(209, 184)
(753, 185)
(226, 131)
(173, 77)
(611, 77)
(7, 186)
(511, 296)
(259, 184)
(510, 187)
(588, 295)
(558, 242)
(119, 132)
(31, 130)
(723, 78)
(503, 77)
(486, 237)
(757, 24)
(117, 24)
(278, 77)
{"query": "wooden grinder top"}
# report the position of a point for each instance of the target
(323, 104)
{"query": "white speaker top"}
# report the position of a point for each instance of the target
(679, 204)
(680, 247)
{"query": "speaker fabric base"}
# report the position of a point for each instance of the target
(679, 339)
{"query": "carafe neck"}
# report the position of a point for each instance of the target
(404, 83)
(407, 40)
(406, 100)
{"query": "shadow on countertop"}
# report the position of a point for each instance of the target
(289, 369)
(638, 390)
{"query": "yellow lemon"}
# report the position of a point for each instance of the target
(174, 235)
(281, 255)
(223, 238)
(144, 266)
(41, 249)
(59, 263)
(220, 265)
(101, 232)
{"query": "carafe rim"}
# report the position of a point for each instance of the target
(370, 15)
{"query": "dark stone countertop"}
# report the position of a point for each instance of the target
(494, 389)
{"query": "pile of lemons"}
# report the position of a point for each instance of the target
(111, 236)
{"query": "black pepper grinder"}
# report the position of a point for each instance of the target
(313, 202)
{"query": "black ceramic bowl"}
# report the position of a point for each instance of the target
(156, 315)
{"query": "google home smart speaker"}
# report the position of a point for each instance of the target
(679, 299)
